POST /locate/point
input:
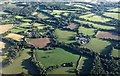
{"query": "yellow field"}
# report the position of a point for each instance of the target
(5, 28)
(2, 45)
(16, 37)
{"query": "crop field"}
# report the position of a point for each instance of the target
(39, 42)
(54, 57)
(2, 45)
(86, 31)
(16, 37)
(107, 35)
(72, 26)
(96, 45)
(67, 35)
(5, 28)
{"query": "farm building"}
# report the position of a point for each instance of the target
(82, 39)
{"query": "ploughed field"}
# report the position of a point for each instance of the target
(39, 42)
(107, 35)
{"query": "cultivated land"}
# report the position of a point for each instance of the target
(39, 42)
(16, 37)
(107, 35)
(5, 28)
(38, 37)
(2, 45)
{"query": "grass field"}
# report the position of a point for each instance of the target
(64, 36)
(96, 45)
(113, 15)
(56, 56)
(93, 17)
(16, 37)
(83, 7)
(97, 26)
(21, 64)
(115, 52)
(63, 70)
(86, 31)
(42, 16)
(17, 30)
(115, 9)
(19, 17)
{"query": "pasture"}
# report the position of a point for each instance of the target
(112, 15)
(21, 64)
(65, 36)
(56, 56)
(86, 31)
(96, 45)
(93, 17)
(115, 52)
(97, 26)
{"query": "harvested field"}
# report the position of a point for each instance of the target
(34, 13)
(39, 42)
(5, 28)
(2, 45)
(16, 37)
(107, 35)
(73, 26)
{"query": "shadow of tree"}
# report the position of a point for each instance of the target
(32, 69)
(87, 66)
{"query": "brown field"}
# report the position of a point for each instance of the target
(16, 37)
(39, 42)
(5, 28)
(107, 35)
(2, 45)
(72, 26)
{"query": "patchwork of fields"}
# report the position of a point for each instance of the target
(59, 38)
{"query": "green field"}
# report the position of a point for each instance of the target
(17, 30)
(113, 15)
(86, 31)
(63, 70)
(21, 64)
(115, 52)
(96, 45)
(97, 26)
(64, 36)
(54, 57)
(93, 17)
(115, 9)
